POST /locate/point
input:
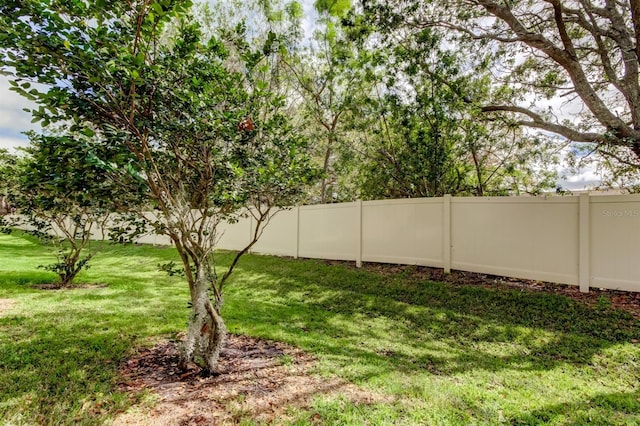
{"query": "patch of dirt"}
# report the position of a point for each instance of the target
(257, 379)
(57, 286)
(624, 300)
(5, 305)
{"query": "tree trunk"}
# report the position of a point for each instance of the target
(478, 169)
(206, 333)
(635, 147)
(69, 266)
(325, 169)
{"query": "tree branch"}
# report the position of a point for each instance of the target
(570, 64)
(538, 122)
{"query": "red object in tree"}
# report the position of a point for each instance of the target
(246, 125)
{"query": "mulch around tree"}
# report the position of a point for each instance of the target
(257, 379)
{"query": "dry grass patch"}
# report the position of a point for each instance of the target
(6, 305)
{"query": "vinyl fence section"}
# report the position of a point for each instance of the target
(588, 241)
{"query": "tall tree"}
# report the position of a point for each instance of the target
(414, 149)
(582, 50)
(327, 75)
(426, 133)
(203, 129)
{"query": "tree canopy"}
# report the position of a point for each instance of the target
(585, 53)
(65, 198)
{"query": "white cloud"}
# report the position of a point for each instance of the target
(12, 143)
(310, 17)
(584, 180)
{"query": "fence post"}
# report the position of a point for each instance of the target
(359, 249)
(446, 233)
(584, 247)
(250, 230)
(297, 253)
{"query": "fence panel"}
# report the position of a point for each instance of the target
(615, 242)
(280, 236)
(529, 238)
(234, 236)
(403, 231)
(587, 240)
(330, 231)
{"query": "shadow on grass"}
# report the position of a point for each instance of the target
(61, 366)
(61, 379)
(601, 409)
(58, 360)
(20, 279)
(442, 328)
(25, 251)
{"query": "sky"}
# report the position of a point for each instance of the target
(14, 121)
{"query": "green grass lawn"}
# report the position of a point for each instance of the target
(442, 353)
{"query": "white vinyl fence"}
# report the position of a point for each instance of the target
(589, 241)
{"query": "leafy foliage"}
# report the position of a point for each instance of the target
(192, 109)
(8, 173)
(427, 134)
(328, 75)
(65, 199)
(580, 57)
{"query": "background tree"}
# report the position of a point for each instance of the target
(66, 199)
(328, 76)
(415, 149)
(425, 132)
(583, 52)
(205, 132)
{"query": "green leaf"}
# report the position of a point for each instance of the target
(88, 132)
(157, 8)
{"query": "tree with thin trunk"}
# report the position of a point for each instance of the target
(65, 200)
(327, 75)
(8, 172)
(204, 132)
